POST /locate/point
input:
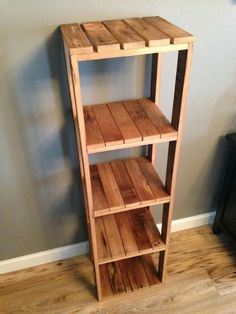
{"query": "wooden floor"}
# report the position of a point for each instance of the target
(202, 279)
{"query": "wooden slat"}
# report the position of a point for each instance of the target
(110, 132)
(100, 37)
(125, 124)
(115, 278)
(125, 185)
(139, 232)
(141, 120)
(105, 282)
(93, 134)
(139, 272)
(76, 39)
(99, 199)
(151, 228)
(127, 236)
(151, 35)
(126, 36)
(125, 276)
(152, 179)
(131, 275)
(150, 269)
(113, 236)
(158, 119)
(142, 188)
(104, 253)
(176, 34)
(110, 186)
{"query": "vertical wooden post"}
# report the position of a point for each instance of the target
(155, 95)
(179, 105)
(77, 109)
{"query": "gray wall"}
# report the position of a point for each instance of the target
(41, 206)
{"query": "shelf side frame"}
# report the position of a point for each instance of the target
(179, 106)
(73, 77)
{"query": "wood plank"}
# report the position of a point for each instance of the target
(106, 287)
(139, 272)
(141, 120)
(99, 198)
(107, 125)
(127, 236)
(131, 275)
(125, 276)
(177, 35)
(124, 183)
(126, 36)
(125, 124)
(110, 186)
(142, 188)
(151, 228)
(115, 278)
(100, 37)
(104, 253)
(75, 38)
(150, 269)
(93, 134)
(158, 119)
(153, 179)
(113, 236)
(151, 35)
(139, 231)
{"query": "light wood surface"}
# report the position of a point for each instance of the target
(201, 279)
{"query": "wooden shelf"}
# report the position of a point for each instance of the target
(118, 194)
(123, 235)
(125, 184)
(128, 275)
(128, 123)
(113, 38)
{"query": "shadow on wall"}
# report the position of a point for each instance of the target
(50, 145)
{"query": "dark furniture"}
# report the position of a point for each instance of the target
(225, 219)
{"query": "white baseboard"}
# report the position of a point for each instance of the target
(81, 248)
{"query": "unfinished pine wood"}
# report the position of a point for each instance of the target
(158, 119)
(151, 35)
(107, 125)
(126, 36)
(124, 122)
(139, 272)
(132, 233)
(176, 34)
(115, 278)
(93, 134)
(110, 186)
(76, 39)
(100, 37)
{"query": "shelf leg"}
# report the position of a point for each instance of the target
(179, 105)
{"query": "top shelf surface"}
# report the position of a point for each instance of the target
(115, 38)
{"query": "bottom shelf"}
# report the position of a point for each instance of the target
(128, 275)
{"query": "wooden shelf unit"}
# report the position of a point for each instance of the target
(119, 194)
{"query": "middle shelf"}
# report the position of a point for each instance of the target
(124, 185)
(127, 234)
